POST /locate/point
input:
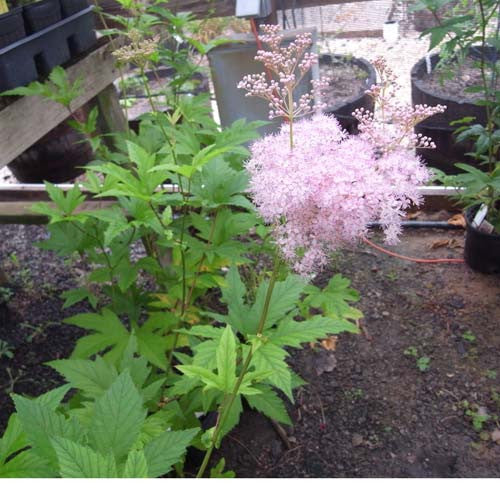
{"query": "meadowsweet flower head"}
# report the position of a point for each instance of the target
(392, 125)
(285, 66)
(321, 195)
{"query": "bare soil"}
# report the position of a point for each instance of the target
(346, 80)
(376, 414)
(454, 80)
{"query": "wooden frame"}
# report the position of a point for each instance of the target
(27, 119)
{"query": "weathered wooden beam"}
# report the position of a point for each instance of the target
(27, 119)
(217, 8)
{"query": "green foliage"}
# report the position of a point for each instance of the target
(6, 350)
(458, 36)
(58, 88)
(422, 362)
(103, 432)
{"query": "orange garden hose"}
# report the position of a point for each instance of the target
(413, 260)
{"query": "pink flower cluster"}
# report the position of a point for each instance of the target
(392, 125)
(321, 195)
(287, 66)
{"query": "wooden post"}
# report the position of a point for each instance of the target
(111, 117)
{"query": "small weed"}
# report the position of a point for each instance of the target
(392, 276)
(469, 336)
(476, 415)
(491, 374)
(6, 350)
(423, 362)
(354, 393)
(14, 259)
(38, 330)
(5, 294)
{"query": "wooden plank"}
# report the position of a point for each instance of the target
(218, 8)
(27, 119)
(20, 212)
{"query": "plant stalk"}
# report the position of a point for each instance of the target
(226, 406)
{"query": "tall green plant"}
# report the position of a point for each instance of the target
(477, 31)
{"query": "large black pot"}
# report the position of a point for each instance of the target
(448, 151)
(344, 109)
(482, 250)
(11, 27)
(57, 157)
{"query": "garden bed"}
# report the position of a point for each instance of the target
(375, 413)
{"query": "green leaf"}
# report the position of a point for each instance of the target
(292, 333)
(109, 333)
(78, 461)
(27, 465)
(118, 417)
(226, 360)
(270, 404)
(285, 297)
(41, 423)
(166, 450)
(92, 377)
(232, 418)
(13, 438)
(136, 465)
(210, 379)
(271, 358)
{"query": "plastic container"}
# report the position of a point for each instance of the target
(40, 15)
(36, 55)
(448, 151)
(344, 109)
(482, 250)
(12, 27)
(391, 31)
(71, 7)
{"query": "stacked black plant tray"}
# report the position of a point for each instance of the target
(38, 37)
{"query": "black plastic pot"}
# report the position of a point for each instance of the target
(40, 15)
(57, 157)
(71, 7)
(343, 110)
(12, 27)
(448, 151)
(482, 250)
(36, 55)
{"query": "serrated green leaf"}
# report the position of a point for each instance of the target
(78, 461)
(226, 360)
(118, 417)
(270, 404)
(210, 379)
(166, 450)
(13, 438)
(26, 465)
(136, 465)
(92, 377)
(41, 423)
(292, 333)
(271, 358)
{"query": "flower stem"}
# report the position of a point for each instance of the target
(227, 405)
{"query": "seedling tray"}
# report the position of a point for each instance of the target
(36, 55)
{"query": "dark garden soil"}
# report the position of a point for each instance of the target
(346, 80)
(367, 410)
(375, 414)
(453, 80)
